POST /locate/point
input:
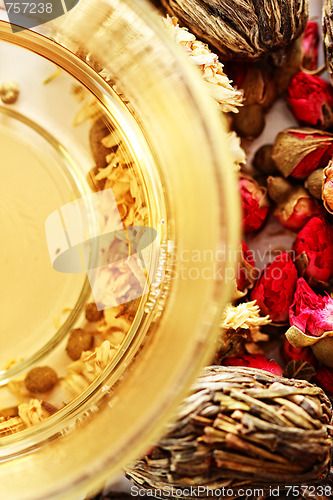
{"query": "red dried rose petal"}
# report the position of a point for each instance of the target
(254, 205)
(311, 99)
(309, 312)
(275, 288)
(315, 241)
(247, 272)
(290, 353)
(310, 42)
(254, 361)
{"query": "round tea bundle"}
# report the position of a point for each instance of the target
(242, 28)
(240, 427)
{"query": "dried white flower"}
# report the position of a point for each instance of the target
(84, 371)
(217, 82)
(237, 152)
(245, 315)
(33, 412)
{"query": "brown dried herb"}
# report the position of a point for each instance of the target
(41, 379)
(299, 369)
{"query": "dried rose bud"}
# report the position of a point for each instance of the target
(310, 43)
(284, 73)
(295, 206)
(255, 204)
(275, 288)
(311, 100)
(257, 83)
(313, 249)
(249, 122)
(289, 353)
(310, 317)
(247, 271)
(78, 342)
(324, 378)
(314, 183)
(41, 379)
(254, 361)
(299, 151)
(327, 190)
(263, 162)
(92, 312)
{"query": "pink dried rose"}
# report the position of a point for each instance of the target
(295, 206)
(311, 320)
(247, 272)
(311, 100)
(299, 151)
(289, 353)
(313, 249)
(275, 288)
(327, 189)
(310, 43)
(255, 204)
(254, 361)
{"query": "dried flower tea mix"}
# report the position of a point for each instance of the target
(250, 419)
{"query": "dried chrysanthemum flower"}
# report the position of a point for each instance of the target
(245, 315)
(90, 365)
(240, 327)
(218, 84)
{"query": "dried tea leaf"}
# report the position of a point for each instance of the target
(243, 28)
(241, 426)
(299, 369)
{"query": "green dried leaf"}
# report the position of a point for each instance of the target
(300, 369)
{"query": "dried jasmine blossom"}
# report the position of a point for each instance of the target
(33, 412)
(245, 315)
(84, 371)
(218, 84)
(240, 329)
